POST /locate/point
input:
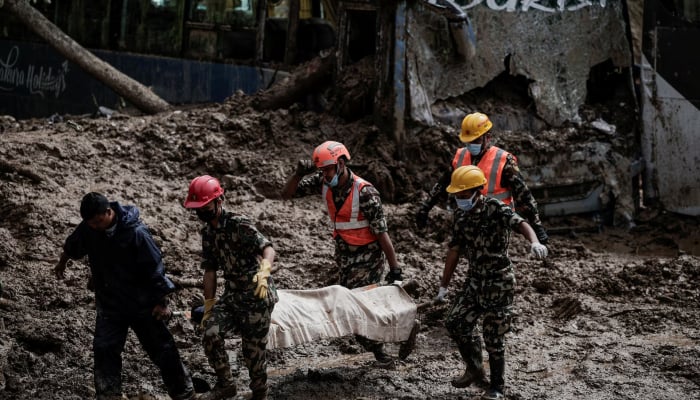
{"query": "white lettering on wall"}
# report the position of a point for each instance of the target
(551, 6)
(37, 80)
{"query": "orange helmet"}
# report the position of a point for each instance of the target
(473, 126)
(328, 153)
(203, 189)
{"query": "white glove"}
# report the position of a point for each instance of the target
(539, 250)
(442, 292)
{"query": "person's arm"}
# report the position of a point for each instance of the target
(304, 167)
(536, 248)
(60, 268)
(450, 265)
(149, 260)
(388, 249)
(210, 284)
(269, 255)
(73, 249)
(437, 193)
(525, 203)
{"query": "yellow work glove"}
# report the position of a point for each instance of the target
(208, 307)
(261, 278)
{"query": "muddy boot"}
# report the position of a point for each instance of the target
(384, 360)
(407, 347)
(474, 371)
(225, 386)
(497, 363)
(260, 394)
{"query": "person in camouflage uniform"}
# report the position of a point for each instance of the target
(360, 232)
(506, 182)
(232, 245)
(481, 230)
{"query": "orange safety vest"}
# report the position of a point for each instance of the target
(492, 164)
(349, 222)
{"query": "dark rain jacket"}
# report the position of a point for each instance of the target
(127, 267)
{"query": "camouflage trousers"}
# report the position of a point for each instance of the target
(250, 319)
(360, 266)
(492, 301)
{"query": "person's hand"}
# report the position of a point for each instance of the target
(422, 216)
(208, 311)
(442, 292)
(60, 269)
(261, 278)
(161, 312)
(394, 274)
(541, 234)
(305, 167)
(539, 250)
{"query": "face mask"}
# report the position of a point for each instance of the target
(206, 215)
(474, 149)
(334, 181)
(110, 231)
(466, 204)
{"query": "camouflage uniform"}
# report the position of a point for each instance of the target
(358, 265)
(235, 248)
(511, 178)
(483, 234)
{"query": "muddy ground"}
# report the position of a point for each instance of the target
(612, 314)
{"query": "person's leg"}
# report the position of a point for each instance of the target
(461, 324)
(213, 340)
(362, 266)
(254, 329)
(496, 325)
(159, 344)
(108, 344)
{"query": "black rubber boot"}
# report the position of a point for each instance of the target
(407, 347)
(497, 364)
(474, 371)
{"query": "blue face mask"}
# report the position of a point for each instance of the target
(474, 149)
(334, 181)
(466, 204)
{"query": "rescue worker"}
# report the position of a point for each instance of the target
(232, 245)
(130, 292)
(506, 183)
(481, 230)
(359, 227)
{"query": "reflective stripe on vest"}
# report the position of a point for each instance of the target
(348, 222)
(492, 164)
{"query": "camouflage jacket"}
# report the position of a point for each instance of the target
(235, 247)
(483, 234)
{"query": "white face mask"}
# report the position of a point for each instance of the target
(466, 204)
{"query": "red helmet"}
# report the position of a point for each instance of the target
(203, 189)
(328, 153)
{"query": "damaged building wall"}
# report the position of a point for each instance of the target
(553, 48)
(670, 99)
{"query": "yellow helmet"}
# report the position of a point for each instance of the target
(466, 177)
(473, 126)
